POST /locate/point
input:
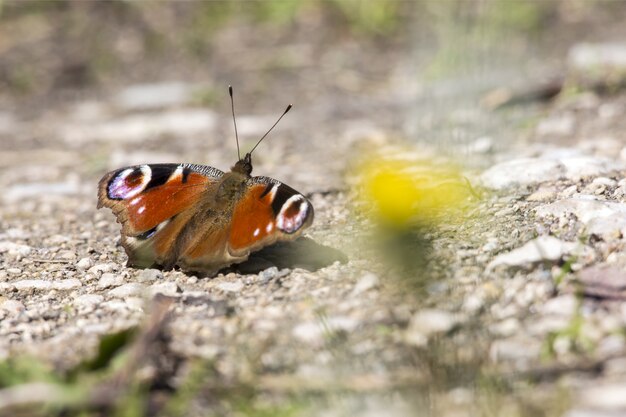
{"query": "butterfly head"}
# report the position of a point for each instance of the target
(244, 165)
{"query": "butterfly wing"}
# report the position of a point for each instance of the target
(267, 211)
(147, 199)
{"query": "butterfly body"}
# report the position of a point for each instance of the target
(199, 218)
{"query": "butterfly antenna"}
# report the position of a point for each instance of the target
(232, 107)
(273, 126)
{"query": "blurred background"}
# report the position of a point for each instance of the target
(124, 81)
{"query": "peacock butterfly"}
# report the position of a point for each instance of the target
(199, 218)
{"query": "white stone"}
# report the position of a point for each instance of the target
(149, 275)
(606, 396)
(527, 171)
(84, 263)
(481, 145)
(556, 126)
(577, 168)
(66, 284)
(132, 289)
(543, 248)
(522, 172)
(564, 305)
(102, 268)
(165, 288)
(515, 348)
(32, 284)
(612, 227)
(426, 323)
(15, 249)
(88, 300)
(315, 332)
(366, 282)
(12, 306)
(108, 280)
(594, 56)
(585, 208)
(473, 303)
(235, 286)
(505, 328)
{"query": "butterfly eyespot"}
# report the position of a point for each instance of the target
(293, 214)
(129, 182)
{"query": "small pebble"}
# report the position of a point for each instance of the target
(84, 263)
(132, 289)
(108, 280)
(149, 275)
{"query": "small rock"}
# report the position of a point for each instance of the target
(102, 268)
(562, 125)
(12, 306)
(482, 145)
(608, 228)
(165, 288)
(591, 57)
(14, 249)
(577, 168)
(66, 284)
(32, 284)
(366, 283)
(542, 195)
(316, 332)
(603, 282)
(583, 207)
(473, 303)
(522, 172)
(515, 348)
(88, 300)
(615, 366)
(84, 263)
(543, 248)
(149, 275)
(505, 328)
(108, 280)
(235, 286)
(268, 274)
(14, 271)
(611, 346)
(604, 396)
(564, 305)
(132, 289)
(548, 323)
(68, 255)
(426, 323)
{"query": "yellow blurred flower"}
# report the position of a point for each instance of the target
(407, 191)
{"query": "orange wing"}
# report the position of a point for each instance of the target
(269, 211)
(142, 197)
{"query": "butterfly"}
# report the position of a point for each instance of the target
(199, 218)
